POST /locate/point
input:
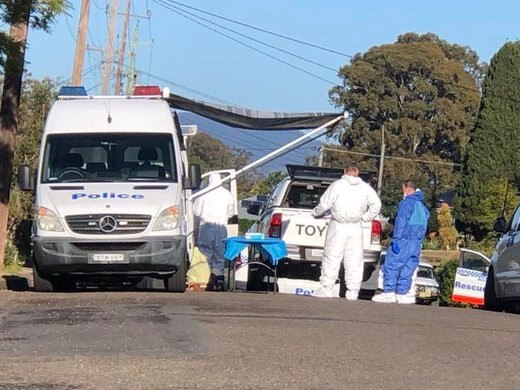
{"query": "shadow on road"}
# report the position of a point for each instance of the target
(16, 283)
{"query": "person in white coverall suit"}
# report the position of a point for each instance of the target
(351, 201)
(213, 209)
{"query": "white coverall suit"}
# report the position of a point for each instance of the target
(213, 209)
(350, 201)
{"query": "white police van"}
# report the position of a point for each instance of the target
(111, 192)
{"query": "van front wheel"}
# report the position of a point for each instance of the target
(40, 284)
(177, 282)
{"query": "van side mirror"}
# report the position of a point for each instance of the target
(194, 178)
(24, 179)
(500, 225)
(253, 209)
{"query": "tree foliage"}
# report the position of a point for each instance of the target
(37, 97)
(212, 154)
(447, 232)
(43, 13)
(265, 186)
(492, 160)
(423, 91)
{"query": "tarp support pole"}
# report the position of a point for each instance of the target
(316, 133)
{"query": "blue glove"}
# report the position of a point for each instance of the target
(395, 247)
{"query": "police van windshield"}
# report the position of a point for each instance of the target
(108, 157)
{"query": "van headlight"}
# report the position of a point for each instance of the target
(47, 220)
(168, 219)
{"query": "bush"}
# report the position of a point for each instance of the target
(12, 259)
(244, 224)
(446, 276)
(432, 243)
(486, 246)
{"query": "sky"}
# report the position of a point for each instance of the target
(196, 62)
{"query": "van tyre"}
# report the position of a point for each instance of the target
(40, 284)
(177, 282)
(491, 302)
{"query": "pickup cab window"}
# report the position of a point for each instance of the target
(304, 196)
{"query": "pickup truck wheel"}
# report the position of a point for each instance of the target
(491, 302)
(177, 282)
(40, 284)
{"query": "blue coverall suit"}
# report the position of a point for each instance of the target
(409, 230)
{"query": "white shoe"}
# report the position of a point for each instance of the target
(405, 299)
(323, 292)
(385, 297)
(351, 295)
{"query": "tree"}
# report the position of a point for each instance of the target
(212, 154)
(266, 185)
(37, 98)
(423, 93)
(491, 177)
(20, 15)
(447, 232)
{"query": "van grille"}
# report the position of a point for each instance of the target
(109, 246)
(125, 223)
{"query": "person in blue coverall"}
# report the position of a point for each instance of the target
(403, 254)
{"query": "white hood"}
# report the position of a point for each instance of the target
(110, 198)
(352, 180)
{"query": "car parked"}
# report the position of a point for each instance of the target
(503, 281)
(424, 282)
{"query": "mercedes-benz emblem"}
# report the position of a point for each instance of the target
(107, 224)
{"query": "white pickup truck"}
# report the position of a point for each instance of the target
(287, 215)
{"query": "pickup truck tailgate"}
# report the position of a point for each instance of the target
(304, 235)
(299, 228)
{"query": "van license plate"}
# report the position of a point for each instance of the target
(317, 252)
(107, 258)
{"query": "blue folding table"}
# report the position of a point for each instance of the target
(273, 248)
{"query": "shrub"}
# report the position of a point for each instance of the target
(486, 246)
(447, 232)
(12, 259)
(244, 224)
(432, 243)
(446, 274)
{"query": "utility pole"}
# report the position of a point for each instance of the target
(121, 54)
(381, 160)
(130, 74)
(320, 156)
(9, 108)
(81, 42)
(110, 47)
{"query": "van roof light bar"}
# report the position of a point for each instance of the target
(72, 91)
(147, 90)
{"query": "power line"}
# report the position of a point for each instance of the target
(262, 30)
(290, 159)
(394, 158)
(330, 50)
(203, 94)
(258, 41)
(298, 152)
(160, 2)
(69, 28)
(166, 81)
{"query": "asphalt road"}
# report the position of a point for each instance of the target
(154, 340)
